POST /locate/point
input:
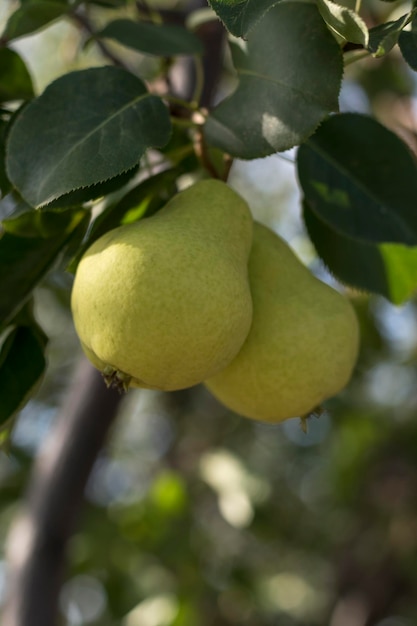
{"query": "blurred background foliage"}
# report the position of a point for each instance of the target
(194, 516)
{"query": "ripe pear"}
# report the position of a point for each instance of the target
(302, 345)
(164, 303)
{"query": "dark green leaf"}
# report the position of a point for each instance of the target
(15, 80)
(180, 150)
(29, 245)
(79, 196)
(158, 39)
(7, 118)
(5, 185)
(87, 126)
(22, 364)
(360, 185)
(389, 269)
(239, 16)
(361, 178)
(383, 38)
(277, 105)
(345, 24)
(13, 205)
(408, 45)
(32, 16)
(25, 316)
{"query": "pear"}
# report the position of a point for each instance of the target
(302, 345)
(164, 303)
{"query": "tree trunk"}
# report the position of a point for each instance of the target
(37, 541)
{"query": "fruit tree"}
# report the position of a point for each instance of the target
(139, 230)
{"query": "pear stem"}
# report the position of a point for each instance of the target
(183, 103)
(200, 149)
(185, 123)
(115, 379)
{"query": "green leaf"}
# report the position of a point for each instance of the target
(407, 42)
(360, 185)
(388, 269)
(79, 196)
(361, 178)
(383, 38)
(345, 24)
(15, 80)
(22, 364)
(158, 39)
(5, 185)
(29, 246)
(239, 16)
(277, 105)
(26, 317)
(408, 46)
(87, 126)
(32, 16)
(12, 205)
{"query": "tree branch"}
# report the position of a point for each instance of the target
(84, 22)
(37, 541)
(212, 34)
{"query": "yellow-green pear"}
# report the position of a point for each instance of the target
(165, 302)
(302, 345)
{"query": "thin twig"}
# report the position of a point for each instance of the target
(83, 21)
(200, 149)
(199, 81)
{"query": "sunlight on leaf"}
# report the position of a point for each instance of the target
(344, 23)
(360, 183)
(382, 38)
(355, 155)
(389, 269)
(278, 105)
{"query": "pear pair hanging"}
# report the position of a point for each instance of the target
(199, 292)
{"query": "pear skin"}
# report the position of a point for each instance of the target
(164, 303)
(302, 345)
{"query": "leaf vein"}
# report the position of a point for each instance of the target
(84, 138)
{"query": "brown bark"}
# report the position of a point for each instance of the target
(37, 541)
